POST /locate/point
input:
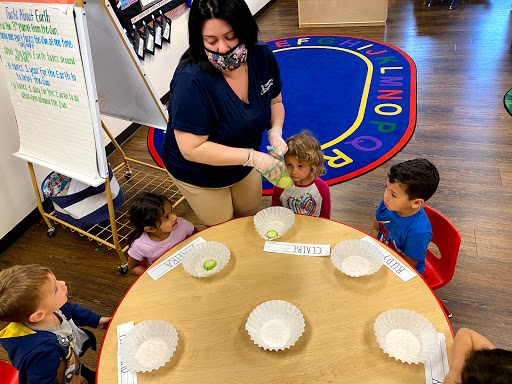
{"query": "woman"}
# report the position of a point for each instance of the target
(224, 94)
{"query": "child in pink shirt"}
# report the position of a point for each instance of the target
(157, 229)
(304, 161)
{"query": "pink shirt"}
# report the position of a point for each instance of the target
(144, 248)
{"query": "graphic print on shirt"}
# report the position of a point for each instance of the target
(69, 370)
(304, 205)
(266, 87)
(387, 226)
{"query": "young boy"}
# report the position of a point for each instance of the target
(401, 221)
(42, 340)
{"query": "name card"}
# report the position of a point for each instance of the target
(172, 261)
(436, 367)
(297, 249)
(390, 261)
(124, 375)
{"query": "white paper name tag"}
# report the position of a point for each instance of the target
(124, 375)
(172, 261)
(436, 367)
(297, 249)
(390, 261)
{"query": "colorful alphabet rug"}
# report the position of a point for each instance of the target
(357, 96)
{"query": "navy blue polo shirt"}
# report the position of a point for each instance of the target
(204, 104)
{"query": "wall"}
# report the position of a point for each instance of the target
(18, 198)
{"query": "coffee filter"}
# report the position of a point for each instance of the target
(277, 219)
(149, 345)
(194, 259)
(405, 335)
(356, 258)
(275, 325)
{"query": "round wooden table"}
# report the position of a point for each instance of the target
(337, 346)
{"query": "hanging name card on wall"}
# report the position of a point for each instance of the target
(41, 58)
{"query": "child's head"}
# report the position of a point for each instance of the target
(29, 292)
(305, 151)
(413, 182)
(489, 366)
(150, 212)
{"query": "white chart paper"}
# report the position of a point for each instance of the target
(124, 375)
(298, 249)
(436, 367)
(390, 261)
(172, 261)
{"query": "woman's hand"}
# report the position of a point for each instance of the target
(275, 138)
(263, 163)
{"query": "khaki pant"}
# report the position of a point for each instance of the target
(217, 205)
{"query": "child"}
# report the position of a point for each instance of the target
(157, 229)
(305, 163)
(401, 221)
(476, 360)
(43, 341)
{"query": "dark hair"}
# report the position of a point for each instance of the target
(146, 210)
(487, 366)
(307, 150)
(419, 177)
(235, 12)
(20, 291)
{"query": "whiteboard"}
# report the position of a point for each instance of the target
(53, 97)
(124, 90)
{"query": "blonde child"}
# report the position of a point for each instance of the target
(43, 340)
(157, 229)
(310, 195)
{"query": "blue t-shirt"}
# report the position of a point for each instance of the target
(204, 104)
(409, 235)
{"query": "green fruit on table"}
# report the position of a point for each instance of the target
(285, 181)
(209, 265)
(272, 234)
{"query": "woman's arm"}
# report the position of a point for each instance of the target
(465, 341)
(199, 150)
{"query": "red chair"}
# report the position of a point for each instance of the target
(8, 374)
(439, 270)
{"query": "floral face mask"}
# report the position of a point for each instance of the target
(230, 60)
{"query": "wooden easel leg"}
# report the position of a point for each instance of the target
(113, 227)
(51, 228)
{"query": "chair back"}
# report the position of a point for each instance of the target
(8, 374)
(439, 271)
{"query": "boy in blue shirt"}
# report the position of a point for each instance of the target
(401, 221)
(43, 341)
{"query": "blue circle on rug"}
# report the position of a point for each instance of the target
(357, 96)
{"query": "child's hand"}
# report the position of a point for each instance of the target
(451, 378)
(104, 322)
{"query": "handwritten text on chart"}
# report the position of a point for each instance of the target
(40, 60)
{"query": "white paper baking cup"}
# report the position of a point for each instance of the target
(194, 259)
(277, 219)
(149, 345)
(275, 325)
(405, 335)
(356, 258)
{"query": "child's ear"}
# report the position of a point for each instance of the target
(417, 203)
(149, 229)
(37, 316)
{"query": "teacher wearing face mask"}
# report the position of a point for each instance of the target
(225, 94)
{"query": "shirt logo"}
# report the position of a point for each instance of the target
(266, 87)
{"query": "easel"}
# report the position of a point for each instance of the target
(115, 243)
(90, 166)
